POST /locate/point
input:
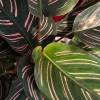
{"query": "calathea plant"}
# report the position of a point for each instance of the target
(41, 59)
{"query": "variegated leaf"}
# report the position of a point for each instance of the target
(87, 26)
(51, 7)
(47, 28)
(65, 26)
(16, 24)
(25, 73)
(35, 7)
(64, 72)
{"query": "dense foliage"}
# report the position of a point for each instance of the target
(49, 49)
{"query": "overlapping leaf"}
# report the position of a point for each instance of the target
(25, 73)
(65, 26)
(47, 27)
(87, 26)
(51, 7)
(65, 72)
(16, 24)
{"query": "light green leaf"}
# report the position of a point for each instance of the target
(64, 72)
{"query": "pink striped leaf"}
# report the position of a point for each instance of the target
(25, 73)
(16, 25)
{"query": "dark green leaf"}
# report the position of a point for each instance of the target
(16, 24)
(17, 91)
(26, 75)
(47, 27)
(45, 30)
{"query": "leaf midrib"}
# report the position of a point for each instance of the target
(66, 74)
